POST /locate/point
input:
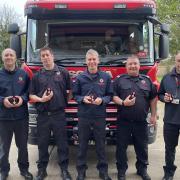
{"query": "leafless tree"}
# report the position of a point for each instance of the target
(8, 15)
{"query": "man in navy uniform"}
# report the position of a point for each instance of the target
(134, 94)
(169, 93)
(92, 90)
(14, 83)
(49, 90)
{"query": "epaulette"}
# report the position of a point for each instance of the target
(39, 72)
(146, 76)
(61, 68)
(122, 75)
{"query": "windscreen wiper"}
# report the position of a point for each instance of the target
(115, 61)
(70, 60)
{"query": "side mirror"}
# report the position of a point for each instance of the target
(13, 28)
(15, 39)
(165, 28)
(162, 50)
(163, 46)
(15, 43)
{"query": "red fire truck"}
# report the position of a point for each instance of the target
(115, 28)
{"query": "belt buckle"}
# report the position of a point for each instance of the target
(49, 113)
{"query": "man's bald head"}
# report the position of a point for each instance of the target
(9, 59)
(8, 50)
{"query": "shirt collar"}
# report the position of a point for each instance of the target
(10, 72)
(88, 73)
(173, 72)
(138, 77)
(55, 69)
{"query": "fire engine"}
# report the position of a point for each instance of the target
(115, 28)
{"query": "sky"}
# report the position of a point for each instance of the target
(18, 5)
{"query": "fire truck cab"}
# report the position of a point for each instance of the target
(115, 28)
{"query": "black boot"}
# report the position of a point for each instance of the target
(41, 174)
(27, 175)
(121, 176)
(65, 175)
(81, 175)
(169, 172)
(104, 176)
(144, 175)
(3, 176)
(167, 177)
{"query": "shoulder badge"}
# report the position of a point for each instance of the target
(58, 73)
(101, 80)
(146, 76)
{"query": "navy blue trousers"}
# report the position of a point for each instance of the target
(171, 136)
(138, 134)
(20, 130)
(95, 126)
(55, 123)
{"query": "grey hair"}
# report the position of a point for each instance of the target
(8, 49)
(92, 52)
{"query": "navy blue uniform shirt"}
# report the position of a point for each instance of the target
(98, 85)
(13, 83)
(145, 91)
(58, 80)
(171, 84)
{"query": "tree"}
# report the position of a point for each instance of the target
(169, 12)
(8, 15)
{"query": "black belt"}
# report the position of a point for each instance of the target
(49, 113)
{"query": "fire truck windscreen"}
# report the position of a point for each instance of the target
(71, 40)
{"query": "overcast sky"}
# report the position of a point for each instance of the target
(17, 4)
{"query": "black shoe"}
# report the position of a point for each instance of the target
(167, 177)
(81, 175)
(104, 176)
(144, 175)
(65, 175)
(121, 176)
(27, 175)
(41, 175)
(3, 176)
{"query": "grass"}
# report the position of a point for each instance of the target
(159, 77)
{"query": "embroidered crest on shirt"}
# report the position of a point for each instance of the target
(58, 76)
(143, 81)
(20, 80)
(58, 73)
(101, 82)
